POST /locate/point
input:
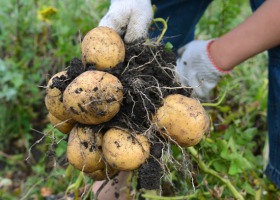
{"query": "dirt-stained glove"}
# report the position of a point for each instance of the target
(196, 68)
(130, 18)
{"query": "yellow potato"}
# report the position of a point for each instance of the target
(93, 97)
(102, 174)
(53, 99)
(84, 149)
(125, 151)
(103, 47)
(182, 119)
(63, 126)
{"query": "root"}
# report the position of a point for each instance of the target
(49, 134)
(133, 57)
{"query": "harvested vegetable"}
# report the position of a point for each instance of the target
(102, 47)
(63, 126)
(102, 174)
(84, 149)
(54, 96)
(93, 97)
(124, 150)
(183, 119)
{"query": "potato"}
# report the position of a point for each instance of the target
(93, 97)
(103, 47)
(53, 99)
(84, 149)
(183, 119)
(125, 151)
(63, 126)
(102, 174)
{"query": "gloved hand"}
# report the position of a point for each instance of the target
(196, 68)
(130, 18)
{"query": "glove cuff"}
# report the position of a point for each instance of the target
(212, 60)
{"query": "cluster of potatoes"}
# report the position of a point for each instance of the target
(95, 97)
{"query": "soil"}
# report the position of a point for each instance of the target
(147, 75)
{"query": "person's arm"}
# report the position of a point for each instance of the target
(261, 31)
(203, 62)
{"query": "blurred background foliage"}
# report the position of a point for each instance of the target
(39, 38)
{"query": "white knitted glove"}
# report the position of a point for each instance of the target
(130, 18)
(196, 69)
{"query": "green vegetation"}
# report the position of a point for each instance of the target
(39, 38)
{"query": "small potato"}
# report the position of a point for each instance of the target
(183, 119)
(93, 97)
(103, 47)
(84, 149)
(53, 99)
(63, 126)
(125, 151)
(102, 174)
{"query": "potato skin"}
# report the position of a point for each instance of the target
(53, 99)
(103, 47)
(125, 151)
(102, 174)
(84, 149)
(183, 119)
(63, 126)
(93, 97)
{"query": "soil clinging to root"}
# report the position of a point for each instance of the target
(147, 75)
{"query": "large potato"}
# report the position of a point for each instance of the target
(125, 151)
(84, 149)
(103, 47)
(63, 126)
(183, 119)
(53, 99)
(93, 97)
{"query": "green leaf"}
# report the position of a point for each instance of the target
(220, 166)
(249, 189)
(235, 167)
(239, 164)
(168, 46)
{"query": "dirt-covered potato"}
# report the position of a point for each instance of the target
(102, 47)
(125, 151)
(53, 99)
(183, 119)
(93, 97)
(102, 174)
(63, 126)
(84, 149)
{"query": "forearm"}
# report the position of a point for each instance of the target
(259, 32)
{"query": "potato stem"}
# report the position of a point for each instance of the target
(163, 30)
(217, 103)
(212, 172)
(75, 186)
(149, 196)
(68, 171)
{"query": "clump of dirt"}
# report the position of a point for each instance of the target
(151, 171)
(61, 82)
